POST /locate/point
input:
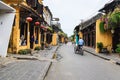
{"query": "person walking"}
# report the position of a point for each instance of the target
(31, 41)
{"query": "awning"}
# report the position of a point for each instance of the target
(90, 21)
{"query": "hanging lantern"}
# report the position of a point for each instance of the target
(29, 19)
(37, 23)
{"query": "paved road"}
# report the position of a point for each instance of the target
(76, 67)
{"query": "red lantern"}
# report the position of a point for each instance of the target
(37, 23)
(29, 19)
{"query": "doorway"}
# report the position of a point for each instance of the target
(116, 38)
(31, 35)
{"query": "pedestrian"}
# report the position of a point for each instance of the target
(31, 41)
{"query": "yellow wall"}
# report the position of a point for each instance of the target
(62, 39)
(54, 39)
(80, 34)
(105, 38)
(16, 32)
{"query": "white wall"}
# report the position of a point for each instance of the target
(6, 22)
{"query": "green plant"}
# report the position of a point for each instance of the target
(114, 20)
(118, 48)
(100, 45)
(28, 50)
(101, 26)
(37, 48)
(23, 52)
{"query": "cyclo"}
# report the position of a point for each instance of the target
(78, 49)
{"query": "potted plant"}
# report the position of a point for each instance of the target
(37, 48)
(118, 49)
(100, 46)
(101, 26)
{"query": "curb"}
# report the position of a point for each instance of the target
(48, 65)
(46, 69)
(116, 62)
(97, 55)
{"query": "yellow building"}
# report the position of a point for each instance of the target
(56, 28)
(105, 38)
(47, 15)
(110, 22)
(26, 24)
(89, 30)
(103, 28)
(55, 39)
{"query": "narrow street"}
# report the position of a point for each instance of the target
(76, 67)
(39, 36)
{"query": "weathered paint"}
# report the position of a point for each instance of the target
(105, 38)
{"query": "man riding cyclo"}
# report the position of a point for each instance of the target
(79, 42)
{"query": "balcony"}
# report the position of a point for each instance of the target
(32, 3)
(13, 1)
